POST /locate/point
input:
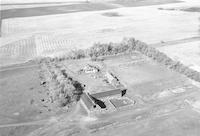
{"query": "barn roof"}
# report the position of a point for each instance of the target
(107, 93)
(87, 101)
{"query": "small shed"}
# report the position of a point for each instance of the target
(90, 69)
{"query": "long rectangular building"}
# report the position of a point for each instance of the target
(107, 93)
(87, 102)
(91, 101)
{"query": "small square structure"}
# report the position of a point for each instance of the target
(121, 102)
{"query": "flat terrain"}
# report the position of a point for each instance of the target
(54, 34)
(20, 95)
(51, 10)
(22, 110)
(19, 51)
(166, 102)
(188, 53)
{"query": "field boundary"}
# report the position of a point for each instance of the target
(174, 42)
(130, 45)
(39, 122)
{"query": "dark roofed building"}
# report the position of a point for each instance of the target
(119, 92)
(91, 101)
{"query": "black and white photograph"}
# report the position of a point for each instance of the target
(100, 68)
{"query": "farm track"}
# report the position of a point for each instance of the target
(153, 111)
(39, 122)
(170, 43)
(127, 117)
(17, 67)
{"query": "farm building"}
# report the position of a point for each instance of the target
(113, 80)
(121, 102)
(90, 69)
(92, 102)
(87, 102)
(116, 92)
(109, 77)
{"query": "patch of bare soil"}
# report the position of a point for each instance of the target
(192, 9)
(18, 130)
(132, 3)
(111, 14)
(52, 10)
(188, 9)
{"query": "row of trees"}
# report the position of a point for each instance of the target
(62, 88)
(98, 49)
(66, 90)
(128, 45)
(164, 59)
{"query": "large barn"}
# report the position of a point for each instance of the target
(91, 101)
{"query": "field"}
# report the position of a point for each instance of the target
(147, 23)
(147, 79)
(17, 52)
(187, 53)
(178, 123)
(21, 98)
(162, 100)
(18, 101)
(158, 100)
(157, 93)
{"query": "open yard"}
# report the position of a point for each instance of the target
(144, 79)
(94, 82)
